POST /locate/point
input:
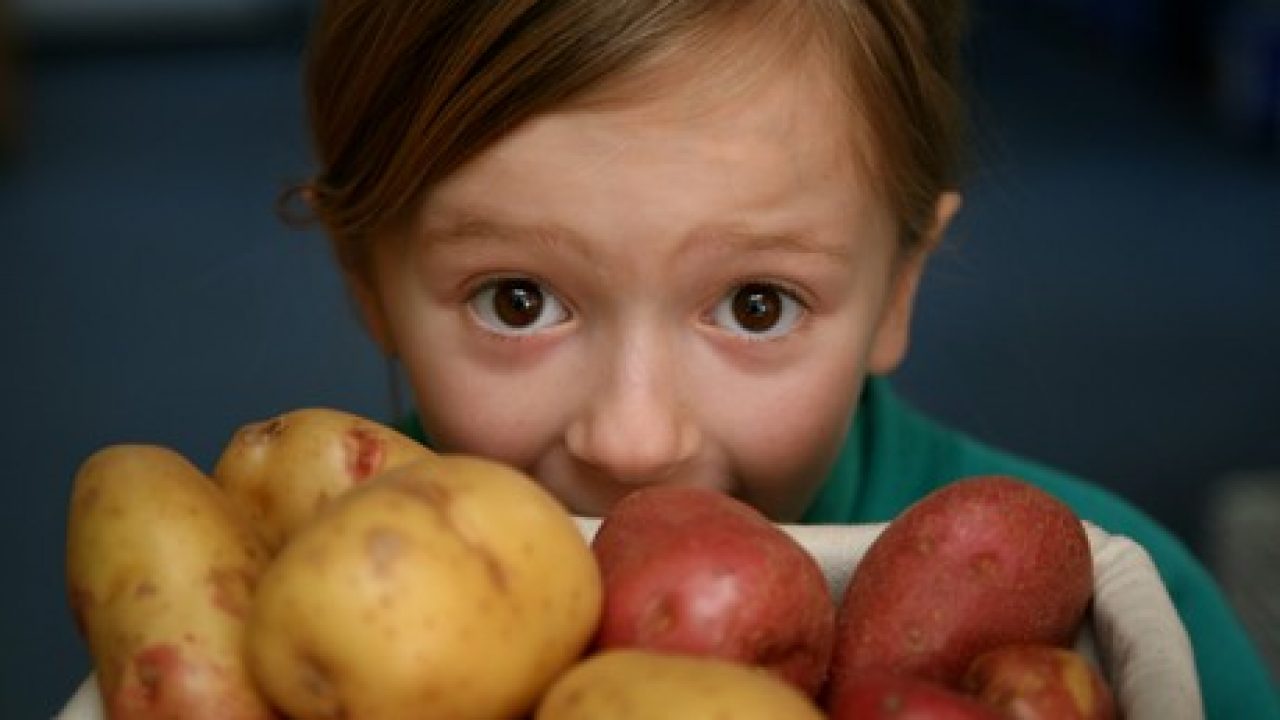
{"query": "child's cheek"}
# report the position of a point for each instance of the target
(785, 453)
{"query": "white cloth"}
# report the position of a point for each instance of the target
(1133, 628)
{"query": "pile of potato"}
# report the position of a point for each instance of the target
(330, 568)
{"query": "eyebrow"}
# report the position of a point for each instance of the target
(468, 227)
(732, 238)
(709, 239)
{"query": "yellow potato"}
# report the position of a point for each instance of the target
(450, 588)
(160, 572)
(643, 685)
(281, 471)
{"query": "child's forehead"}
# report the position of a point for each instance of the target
(703, 76)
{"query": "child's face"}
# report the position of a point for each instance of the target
(682, 290)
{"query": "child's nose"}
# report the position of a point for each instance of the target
(634, 427)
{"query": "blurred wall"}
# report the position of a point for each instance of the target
(145, 20)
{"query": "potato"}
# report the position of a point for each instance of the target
(690, 570)
(160, 572)
(450, 588)
(878, 695)
(980, 563)
(1040, 682)
(281, 471)
(643, 685)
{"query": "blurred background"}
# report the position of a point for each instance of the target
(1109, 303)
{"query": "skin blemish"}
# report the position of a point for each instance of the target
(497, 575)
(264, 432)
(156, 669)
(322, 499)
(90, 497)
(440, 499)
(660, 618)
(144, 589)
(316, 679)
(915, 640)
(364, 452)
(573, 698)
(435, 494)
(262, 497)
(383, 546)
(230, 590)
(926, 546)
(777, 654)
(984, 566)
(149, 676)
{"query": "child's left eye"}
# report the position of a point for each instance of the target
(758, 311)
(517, 306)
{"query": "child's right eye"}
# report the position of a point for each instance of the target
(516, 306)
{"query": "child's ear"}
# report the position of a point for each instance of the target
(369, 303)
(893, 335)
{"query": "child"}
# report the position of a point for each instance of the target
(622, 242)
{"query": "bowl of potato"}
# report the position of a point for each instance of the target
(329, 567)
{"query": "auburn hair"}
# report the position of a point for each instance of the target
(401, 93)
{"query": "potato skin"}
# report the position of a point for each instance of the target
(979, 563)
(878, 695)
(160, 572)
(1040, 682)
(281, 471)
(449, 588)
(643, 685)
(690, 570)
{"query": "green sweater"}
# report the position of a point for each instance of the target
(893, 456)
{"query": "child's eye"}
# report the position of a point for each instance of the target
(758, 311)
(516, 306)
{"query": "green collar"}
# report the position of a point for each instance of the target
(839, 493)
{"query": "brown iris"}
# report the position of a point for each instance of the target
(757, 307)
(518, 303)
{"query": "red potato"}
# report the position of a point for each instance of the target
(885, 696)
(692, 571)
(1040, 682)
(980, 563)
